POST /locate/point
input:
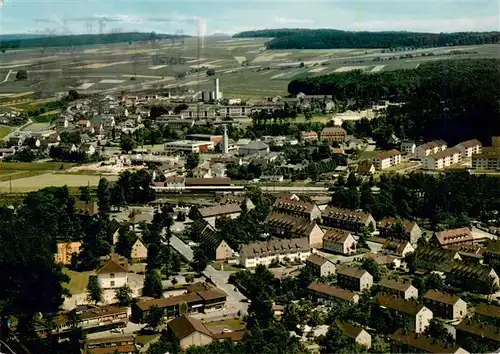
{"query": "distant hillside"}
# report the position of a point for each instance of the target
(9, 37)
(83, 39)
(296, 38)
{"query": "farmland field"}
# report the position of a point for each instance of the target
(4, 130)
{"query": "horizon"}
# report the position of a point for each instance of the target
(209, 18)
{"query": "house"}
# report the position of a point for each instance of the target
(112, 275)
(452, 237)
(255, 148)
(319, 265)
(175, 183)
(351, 220)
(430, 257)
(410, 230)
(271, 178)
(477, 278)
(469, 147)
(469, 252)
(408, 147)
(354, 278)
(6, 152)
(443, 305)
(200, 297)
(88, 149)
(242, 200)
(487, 312)
(139, 251)
(203, 170)
(68, 147)
(366, 168)
(189, 331)
(386, 159)
(487, 334)
(122, 344)
(384, 260)
(287, 226)
(216, 248)
(405, 341)
(403, 290)
(308, 136)
(83, 123)
(297, 208)
(442, 159)
(397, 248)
(264, 253)
(355, 333)
(339, 241)
(416, 315)
(333, 134)
(86, 208)
(210, 214)
(430, 148)
(327, 294)
(65, 250)
(487, 160)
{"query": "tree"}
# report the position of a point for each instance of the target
(152, 284)
(94, 290)
(127, 144)
(72, 95)
(181, 216)
(154, 318)
(200, 260)
(210, 72)
(436, 329)
(117, 197)
(291, 317)
(103, 196)
(85, 195)
(371, 267)
(192, 160)
(124, 295)
(126, 239)
(22, 75)
(189, 278)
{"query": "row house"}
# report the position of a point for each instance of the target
(441, 159)
(489, 159)
(308, 136)
(397, 248)
(287, 226)
(319, 265)
(429, 148)
(328, 294)
(215, 248)
(354, 278)
(297, 208)
(448, 306)
(265, 253)
(410, 231)
(210, 214)
(355, 333)
(351, 220)
(452, 237)
(469, 148)
(199, 112)
(416, 315)
(386, 159)
(429, 257)
(473, 277)
(339, 241)
(122, 344)
(403, 290)
(405, 341)
(492, 252)
(408, 147)
(489, 313)
(333, 134)
(487, 334)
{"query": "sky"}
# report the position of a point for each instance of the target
(229, 17)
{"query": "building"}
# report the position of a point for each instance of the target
(366, 168)
(308, 136)
(139, 251)
(408, 147)
(122, 344)
(429, 148)
(256, 147)
(216, 248)
(415, 314)
(333, 134)
(386, 159)
(429, 257)
(339, 241)
(65, 250)
(477, 278)
(355, 333)
(403, 290)
(200, 297)
(242, 200)
(350, 220)
(205, 137)
(210, 214)
(469, 148)
(319, 265)
(442, 159)
(271, 178)
(487, 160)
(443, 305)
(327, 294)
(264, 253)
(189, 331)
(410, 230)
(453, 237)
(189, 146)
(112, 275)
(297, 208)
(354, 278)
(175, 183)
(405, 341)
(397, 248)
(86, 208)
(287, 226)
(484, 312)
(487, 334)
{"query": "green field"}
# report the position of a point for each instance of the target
(78, 281)
(4, 130)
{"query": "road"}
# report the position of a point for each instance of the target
(295, 189)
(219, 278)
(480, 234)
(17, 130)
(6, 77)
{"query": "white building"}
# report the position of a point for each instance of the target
(408, 147)
(432, 147)
(469, 147)
(188, 146)
(339, 241)
(272, 178)
(253, 254)
(386, 159)
(441, 159)
(175, 183)
(112, 275)
(416, 315)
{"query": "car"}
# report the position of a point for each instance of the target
(117, 330)
(235, 289)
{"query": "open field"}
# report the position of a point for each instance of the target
(4, 130)
(34, 183)
(78, 281)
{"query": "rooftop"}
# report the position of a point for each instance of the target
(332, 291)
(488, 310)
(278, 246)
(185, 325)
(423, 342)
(353, 272)
(410, 306)
(220, 210)
(396, 285)
(479, 329)
(316, 259)
(454, 236)
(439, 296)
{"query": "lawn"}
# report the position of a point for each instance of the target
(227, 267)
(4, 130)
(78, 281)
(369, 154)
(35, 166)
(233, 323)
(144, 339)
(34, 183)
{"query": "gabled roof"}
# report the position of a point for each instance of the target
(333, 291)
(454, 236)
(439, 296)
(388, 154)
(395, 246)
(479, 329)
(220, 210)
(488, 310)
(395, 285)
(353, 272)
(184, 326)
(316, 259)
(336, 235)
(345, 214)
(111, 267)
(294, 225)
(390, 222)
(349, 330)
(445, 153)
(469, 143)
(278, 246)
(432, 144)
(333, 131)
(423, 342)
(410, 306)
(365, 166)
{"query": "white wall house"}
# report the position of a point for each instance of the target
(112, 275)
(253, 254)
(441, 159)
(408, 147)
(469, 147)
(339, 241)
(429, 148)
(386, 159)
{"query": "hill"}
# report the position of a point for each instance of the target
(297, 38)
(83, 39)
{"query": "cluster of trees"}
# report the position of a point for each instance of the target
(297, 38)
(456, 89)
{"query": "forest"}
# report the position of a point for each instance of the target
(453, 100)
(297, 38)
